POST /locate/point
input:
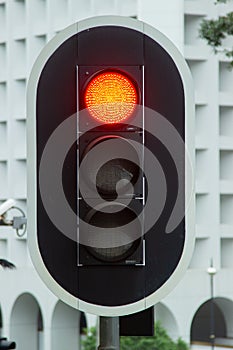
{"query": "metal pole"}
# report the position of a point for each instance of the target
(212, 323)
(109, 334)
(212, 271)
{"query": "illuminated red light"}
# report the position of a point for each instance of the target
(111, 97)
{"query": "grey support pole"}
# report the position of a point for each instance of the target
(109, 337)
(212, 271)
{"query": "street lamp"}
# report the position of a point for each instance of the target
(211, 270)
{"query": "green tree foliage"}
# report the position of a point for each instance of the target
(214, 31)
(89, 343)
(160, 341)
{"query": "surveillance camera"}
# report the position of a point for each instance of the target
(4, 207)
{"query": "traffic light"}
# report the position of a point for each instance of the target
(110, 166)
(7, 344)
(110, 151)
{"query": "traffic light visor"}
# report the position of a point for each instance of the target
(111, 97)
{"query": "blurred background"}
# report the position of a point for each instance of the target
(200, 309)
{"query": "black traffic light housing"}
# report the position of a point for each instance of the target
(93, 132)
(61, 134)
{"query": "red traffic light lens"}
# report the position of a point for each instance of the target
(111, 97)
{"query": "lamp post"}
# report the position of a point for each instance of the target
(211, 270)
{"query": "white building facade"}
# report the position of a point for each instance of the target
(29, 313)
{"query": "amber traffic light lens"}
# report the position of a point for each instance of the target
(111, 97)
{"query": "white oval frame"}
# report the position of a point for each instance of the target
(183, 69)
